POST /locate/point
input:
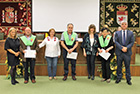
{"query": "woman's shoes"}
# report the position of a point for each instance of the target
(92, 78)
(55, 78)
(50, 78)
(89, 76)
(103, 80)
(13, 82)
(108, 80)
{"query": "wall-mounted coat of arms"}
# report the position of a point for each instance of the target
(113, 12)
(122, 14)
(9, 15)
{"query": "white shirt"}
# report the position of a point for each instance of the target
(125, 35)
(114, 37)
(28, 47)
(52, 47)
(91, 42)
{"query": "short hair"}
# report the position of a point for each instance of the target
(92, 26)
(27, 28)
(51, 30)
(124, 22)
(70, 24)
(9, 35)
(104, 29)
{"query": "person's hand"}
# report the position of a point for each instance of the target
(100, 51)
(106, 50)
(85, 54)
(70, 51)
(24, 51)
(17, 54)
(124, 49)
(59, 56)
(35, 53)
(97, 54)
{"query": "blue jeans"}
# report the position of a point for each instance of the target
(52, 63)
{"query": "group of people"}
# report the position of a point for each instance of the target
(92, 45)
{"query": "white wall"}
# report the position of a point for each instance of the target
(58, 13)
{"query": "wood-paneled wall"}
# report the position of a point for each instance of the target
(81, 68)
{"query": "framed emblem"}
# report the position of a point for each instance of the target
(122, 15)
(113, 12)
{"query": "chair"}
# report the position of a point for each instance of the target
(1, 36)
(40, 36)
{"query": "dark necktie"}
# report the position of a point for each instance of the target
(123, 37)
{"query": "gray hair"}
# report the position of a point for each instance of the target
(70, 24)
(27, 28)
(124, 22)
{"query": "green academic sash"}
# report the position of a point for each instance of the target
(106, 42)
(28, 42)
(68, 41)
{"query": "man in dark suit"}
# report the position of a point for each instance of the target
(124, 41)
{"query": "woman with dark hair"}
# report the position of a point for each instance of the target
(12, 45)
(90, 45)
(52, 52)
(106, 43)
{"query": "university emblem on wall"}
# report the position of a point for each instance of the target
(122, 14)
(113, 12)
(9, 15)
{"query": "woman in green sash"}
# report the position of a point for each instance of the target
(106, 43)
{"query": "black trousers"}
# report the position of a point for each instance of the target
(32, 65)
(66, 64)
(126, 59)
(106, 68)
(91, 64)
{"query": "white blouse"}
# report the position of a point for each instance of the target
(52, 47)
(91, 42)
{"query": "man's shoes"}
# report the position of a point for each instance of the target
(74, 78)
(118, 81)
(129, 82)
(65, 78)
(89, 76)
(92, 78)
(33, 81)
(25, 82)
